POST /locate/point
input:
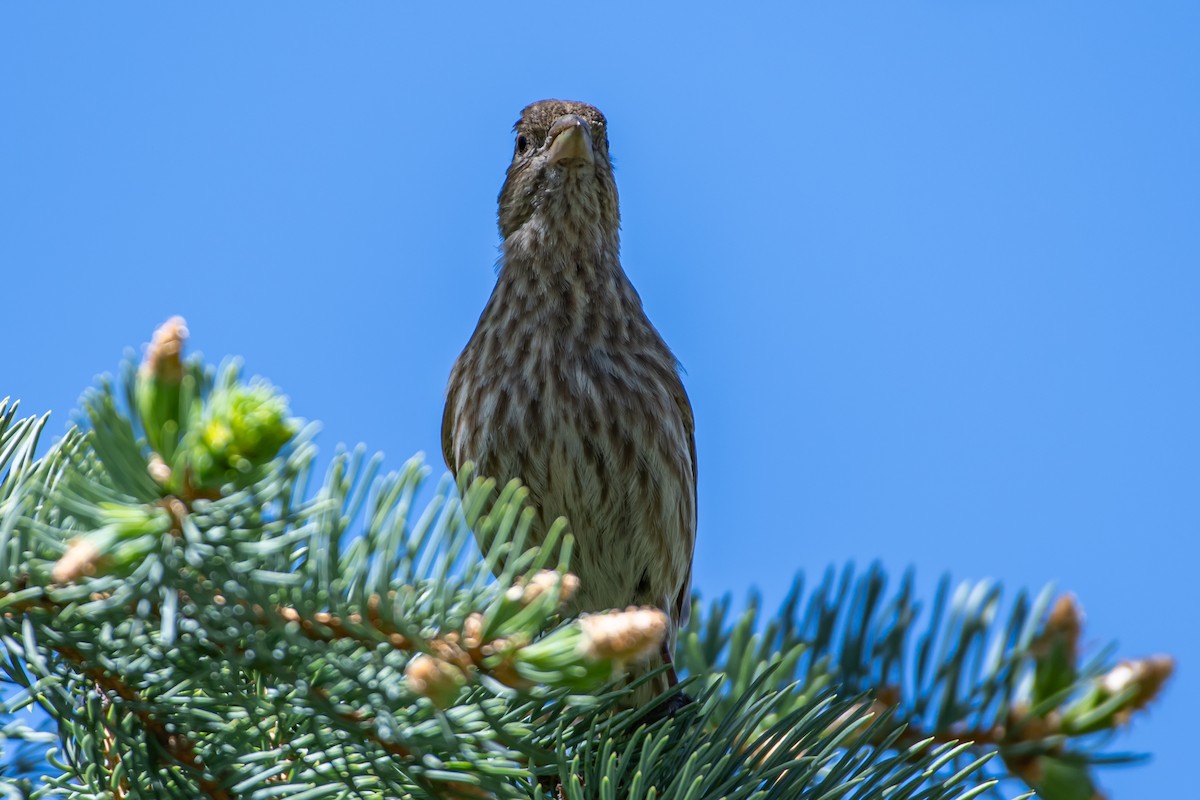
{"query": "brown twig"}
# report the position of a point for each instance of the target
(338, 628)
(362, 723)
(177, 745)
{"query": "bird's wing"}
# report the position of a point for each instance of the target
(448, 427)
(683, 602)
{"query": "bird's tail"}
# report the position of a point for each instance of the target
(648, 690)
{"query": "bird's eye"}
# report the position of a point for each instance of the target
(522, 143)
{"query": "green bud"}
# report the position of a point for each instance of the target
(158, 388)
(562, 659)
(1056, 650)
(242, 428)
(593, 649)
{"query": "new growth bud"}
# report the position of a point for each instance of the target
(164, 354)
(1056, 649)
(158, 391)
(434, 678)
(80, 560)
(1146, 676)
(243, 428)
(123, 538)
(526, 593)
(1065, 624)
(622, 635)
(1115, 696)
(590, 651)
(158, 469)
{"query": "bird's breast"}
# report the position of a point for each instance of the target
(537, 407)
(576, 395)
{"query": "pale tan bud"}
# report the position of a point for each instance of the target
(1066, 617)
(164, 354)
(434, 678)
(473, 631)
(541, 583)
(622, 635)
(1063, 626)
(1118, 678)
(449, 650)
(81, 558)
(1148, 674)
(159, 470)
(178, 512)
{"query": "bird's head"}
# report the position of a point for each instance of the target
(560, 185)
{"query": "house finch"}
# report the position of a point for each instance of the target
(566, 385)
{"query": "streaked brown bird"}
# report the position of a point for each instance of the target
(566, 384)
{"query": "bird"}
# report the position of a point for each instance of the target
(566, 384)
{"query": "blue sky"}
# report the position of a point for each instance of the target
(932, 268)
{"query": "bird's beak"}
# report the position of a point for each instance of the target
(571, 141)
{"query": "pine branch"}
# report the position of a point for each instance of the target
(1011, 683)
(18, 442)
(199, 624)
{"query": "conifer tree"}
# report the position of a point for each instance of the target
(198, 621)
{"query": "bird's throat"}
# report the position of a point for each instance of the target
(562, 247)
